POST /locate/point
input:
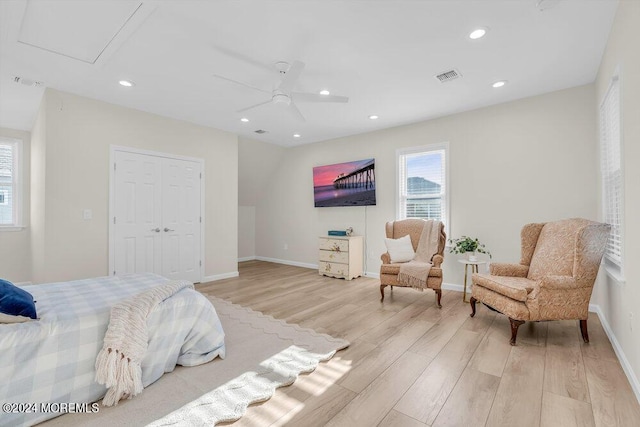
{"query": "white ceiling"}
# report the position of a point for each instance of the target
(382, 54)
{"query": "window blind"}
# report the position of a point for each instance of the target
(7, 183)
(422, 184)
(611, 169)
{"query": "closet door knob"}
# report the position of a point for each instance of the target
(166, 230)
(157, 229)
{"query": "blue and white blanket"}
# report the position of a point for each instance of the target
(53, 359)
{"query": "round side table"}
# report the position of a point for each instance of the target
(474, 269)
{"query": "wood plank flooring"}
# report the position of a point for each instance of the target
(412, 364)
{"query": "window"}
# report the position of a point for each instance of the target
(10, 190)
(422, 183)
(612, 177)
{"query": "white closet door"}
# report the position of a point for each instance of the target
(157, 224)
(138, 215)
(181, 219)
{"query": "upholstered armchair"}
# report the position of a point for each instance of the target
(554, 279)
(389, 271)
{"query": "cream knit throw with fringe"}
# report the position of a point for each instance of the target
(415, 272)
(125, 343)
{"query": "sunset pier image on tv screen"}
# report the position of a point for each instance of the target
(345, 184)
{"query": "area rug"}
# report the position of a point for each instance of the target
(263, 354)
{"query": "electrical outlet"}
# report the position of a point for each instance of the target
(286, 247)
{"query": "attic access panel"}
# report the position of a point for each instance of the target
(80, 30)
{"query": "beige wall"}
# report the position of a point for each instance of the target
(246, 232)
(15, 253)
(38, 179)
(75, 176)
(524, 161)
(257, 161)
(618, 301)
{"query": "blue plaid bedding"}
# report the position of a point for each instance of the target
(53, 359)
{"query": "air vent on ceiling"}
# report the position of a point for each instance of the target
(448, 75)
(260, 131)
(27, 82)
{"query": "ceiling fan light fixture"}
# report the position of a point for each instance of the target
(373, 117)
(244, 120)
(281, 98)
(325, 92)
(126, 83)
(478, 33)
(499, 83)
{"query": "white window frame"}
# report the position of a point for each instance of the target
(446, 186)
(18, 166)
(614, 266)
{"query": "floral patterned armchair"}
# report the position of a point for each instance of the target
(389, 271)
(555, 277)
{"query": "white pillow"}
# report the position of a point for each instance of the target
(400, 250)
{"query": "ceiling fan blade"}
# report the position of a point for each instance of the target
(314, 97)
(201, 32)
(241, 57)
(240, 83)
(295, 112)
(253, 106)
(291, 77)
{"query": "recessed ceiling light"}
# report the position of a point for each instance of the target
(499, 83)
(296, 135)
(126, 83)
(324, 92)
(477, 33)
(244, 120)
(373, 117)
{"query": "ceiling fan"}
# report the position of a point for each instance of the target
(283, 95)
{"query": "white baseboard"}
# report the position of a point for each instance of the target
(454, 287)
(220, 276)
(287, 262)
(626, 366)
(247, 258)
(372, 275)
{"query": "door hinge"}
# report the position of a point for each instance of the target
(114, 272)
(114, 219)
(200, 175)
(200, 263)
(114, 166)
(200, 220)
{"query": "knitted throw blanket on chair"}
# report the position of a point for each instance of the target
(125, 343)
(415, 272)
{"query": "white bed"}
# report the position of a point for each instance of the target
(52, 359)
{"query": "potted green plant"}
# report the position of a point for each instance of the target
(468, 245)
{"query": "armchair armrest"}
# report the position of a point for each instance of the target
(386, 258)
(437, 260)
(505, 269)
(562, 282)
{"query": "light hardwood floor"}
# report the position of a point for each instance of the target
(412, 364)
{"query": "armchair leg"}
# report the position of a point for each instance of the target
(584, 331)
(438, 297)
(382, 292)
(514, 329)
(472, 301)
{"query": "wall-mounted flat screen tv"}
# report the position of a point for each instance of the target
(345, 184)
